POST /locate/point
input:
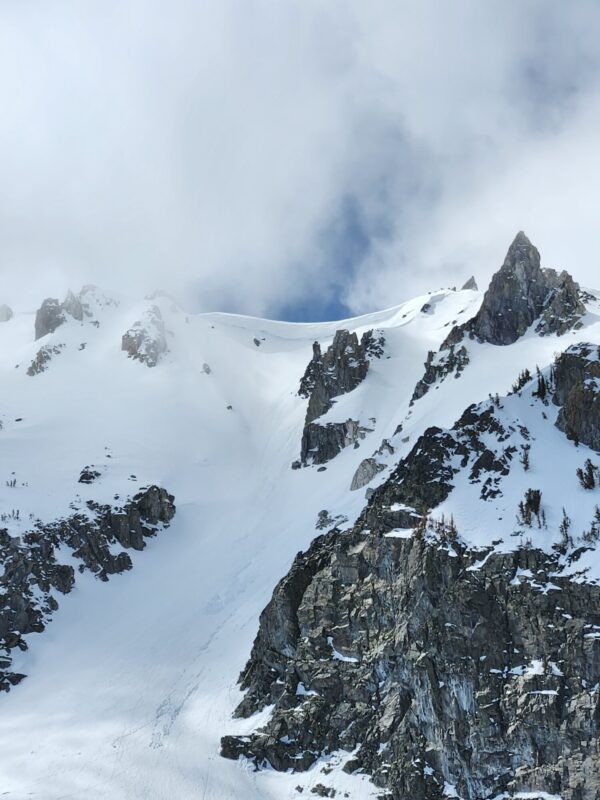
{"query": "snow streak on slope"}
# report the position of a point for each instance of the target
(132, 685)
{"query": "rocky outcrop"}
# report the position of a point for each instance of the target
(515, 297)
(89, 475)
(73, 306)
(445, 671)
(49, 317)
(519, 293)
(576, 388)
(43, 358)
(146, 340)
(438, 366)
(6, 313)
(33, 571)
(52, 313)
(365, 472)
(341, 369)
(436, 665)
(471, 285)
(563, 307)
(321, 443)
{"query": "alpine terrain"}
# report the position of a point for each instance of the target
(245, 559)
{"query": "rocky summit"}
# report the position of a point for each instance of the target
(411, 611)
(521, 292)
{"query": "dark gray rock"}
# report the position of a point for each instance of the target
(43, 358)
(343, 367)
(33, 572)
(321, 443)
(519, 293)
(438, 366)
(437, 665)
(576, 387)
(146, 340)
(563, 307)
(88, 475)
(325, 520)
(437, 669)
(471, 284)
(515, 297)
(49, 317)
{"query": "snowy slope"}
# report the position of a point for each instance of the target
(133, 683)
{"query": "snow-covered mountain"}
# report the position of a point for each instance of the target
(449, 424)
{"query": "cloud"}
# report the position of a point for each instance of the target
(260, 157)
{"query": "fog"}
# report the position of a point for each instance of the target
(293, 158)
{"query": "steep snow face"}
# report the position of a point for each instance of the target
(132, 685)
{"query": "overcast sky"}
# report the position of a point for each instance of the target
(294, 158)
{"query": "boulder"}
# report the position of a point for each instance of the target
(365, 472)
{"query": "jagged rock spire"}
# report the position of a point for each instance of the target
(519, 293)
(471, 284)
(515, 296)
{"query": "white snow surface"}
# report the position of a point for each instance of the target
(134, 681)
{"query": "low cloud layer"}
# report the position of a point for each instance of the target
(275, 158)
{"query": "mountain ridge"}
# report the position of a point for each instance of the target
(217, 421)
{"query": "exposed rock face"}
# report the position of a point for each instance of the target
(88, 475)
(515, 297)
(32, 568)
(146, 341)
(437, 665)
(440, 365)
(577, 390)
(343, 367)
(6, 313)
(49, 317)
(563, 308)
(321, 443)
(73, 306)
(471, 284)
(365, 472)
(440, 670)
(519, 293)
(52, 313)
(43, 358)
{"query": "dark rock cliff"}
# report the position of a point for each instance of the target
(577, 390)
(438, 666)
(445, 670)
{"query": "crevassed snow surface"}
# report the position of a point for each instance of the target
(133, 683)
